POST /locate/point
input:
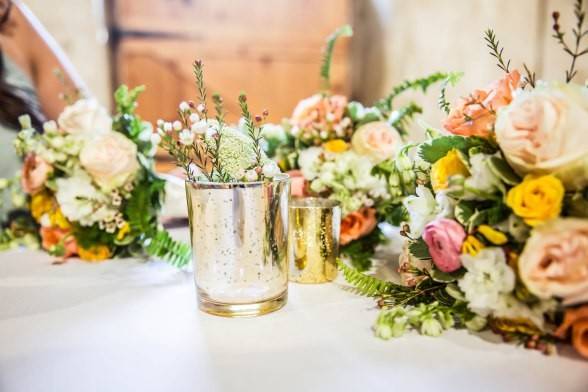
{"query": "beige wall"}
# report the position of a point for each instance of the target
(78, 26)
(400, 39)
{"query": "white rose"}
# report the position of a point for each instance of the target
(543, 131)
(377, 140)
(110, 159)
(85, 118)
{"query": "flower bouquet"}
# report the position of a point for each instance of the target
(497, 215)
(332, 147)
(91, 188)
(238, 206)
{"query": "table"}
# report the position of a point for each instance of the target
(128, 326)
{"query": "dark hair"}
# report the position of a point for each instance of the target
(14, 101)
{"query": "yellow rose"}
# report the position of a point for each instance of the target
(536, 199)
(336, 146)
(494, 236)
(94, 253)
(41, 203)
(472, 246)
(448, 166)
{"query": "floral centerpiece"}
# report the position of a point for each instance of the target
(331, 148)
(91, 186)
(497, 215)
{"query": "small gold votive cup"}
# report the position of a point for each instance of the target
(313, 239)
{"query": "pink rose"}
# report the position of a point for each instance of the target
(475, 115)
(554, 262)
(444, 238)
(34, 173)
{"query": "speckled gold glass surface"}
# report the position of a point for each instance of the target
(239, 245)
(313, 239)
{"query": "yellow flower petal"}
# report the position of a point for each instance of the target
(94, 253)
(494, 236)
(336, 146)
(472, 245)
(123, 231)
(445, 168)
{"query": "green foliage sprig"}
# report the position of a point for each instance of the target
(361, 251)
(198, 70)
(578, 32)
(325, 71)
(421, 84)
(451, 80)
(401, 118)
(253, 131)
(369, 286)
(215, 152)
(174, 252)
(495, 50)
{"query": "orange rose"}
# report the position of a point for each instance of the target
(577, 320)
(475, 115)
(320, 113)
(52, 237)
(358, 224)
(34, 173)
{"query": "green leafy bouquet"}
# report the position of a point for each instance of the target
(91, 186)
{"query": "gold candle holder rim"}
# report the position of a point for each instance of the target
(313, 203)
(237, 184)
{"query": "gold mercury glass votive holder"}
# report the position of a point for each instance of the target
(313, 239)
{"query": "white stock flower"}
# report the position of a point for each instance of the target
(78, 198)
(85, 118)
(421, 209)
(308, 162)
(482, 179)
(488, 277)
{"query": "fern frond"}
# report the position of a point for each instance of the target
(162, 245)
(343, 31)
(421, 84)
(401, 118)
(368, 285)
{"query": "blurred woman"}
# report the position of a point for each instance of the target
(29, 60)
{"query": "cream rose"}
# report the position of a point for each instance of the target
(543, 131)
(111, 159)
(554, 262)
(377, 140)
(85, 118)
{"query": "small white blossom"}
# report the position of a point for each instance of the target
(194, 118)
(155, 138)
(167, 127)
(186, 137)
(177, 126)
(251, 175)
(50, 127)
(160, 123)
(270, 169)
(199, 127)
(184, 106)
(201, 108)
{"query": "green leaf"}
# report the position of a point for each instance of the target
(361, 251)
(446, 277)
(436, 149)
(392, 212)
(164, 246)
(502, 170)
(325, 73)
(464, 210)
(419, 249)
(368, 285)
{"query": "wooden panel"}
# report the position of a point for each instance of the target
(282, 23)
(272, 80)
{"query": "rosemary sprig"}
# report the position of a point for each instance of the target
(215, 153)
(198, 68)
(578, 35)
(530, 78)
(253, 131)
(325, 72)
(495, 50)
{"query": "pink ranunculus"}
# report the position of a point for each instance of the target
(444, 238)
(554, 262)
(34, 173)
(475, 115)
(297, 183)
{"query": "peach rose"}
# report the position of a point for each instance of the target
(554, 262)
(377, 140)
(321, 114)
(358, 224)
(543, 131)
(111, 159)
(577, 321)
(52, 236)
(34, 173)
(475, 115)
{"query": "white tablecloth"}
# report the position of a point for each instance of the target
(128, 326)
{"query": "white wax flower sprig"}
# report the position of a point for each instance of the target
(208, 149)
